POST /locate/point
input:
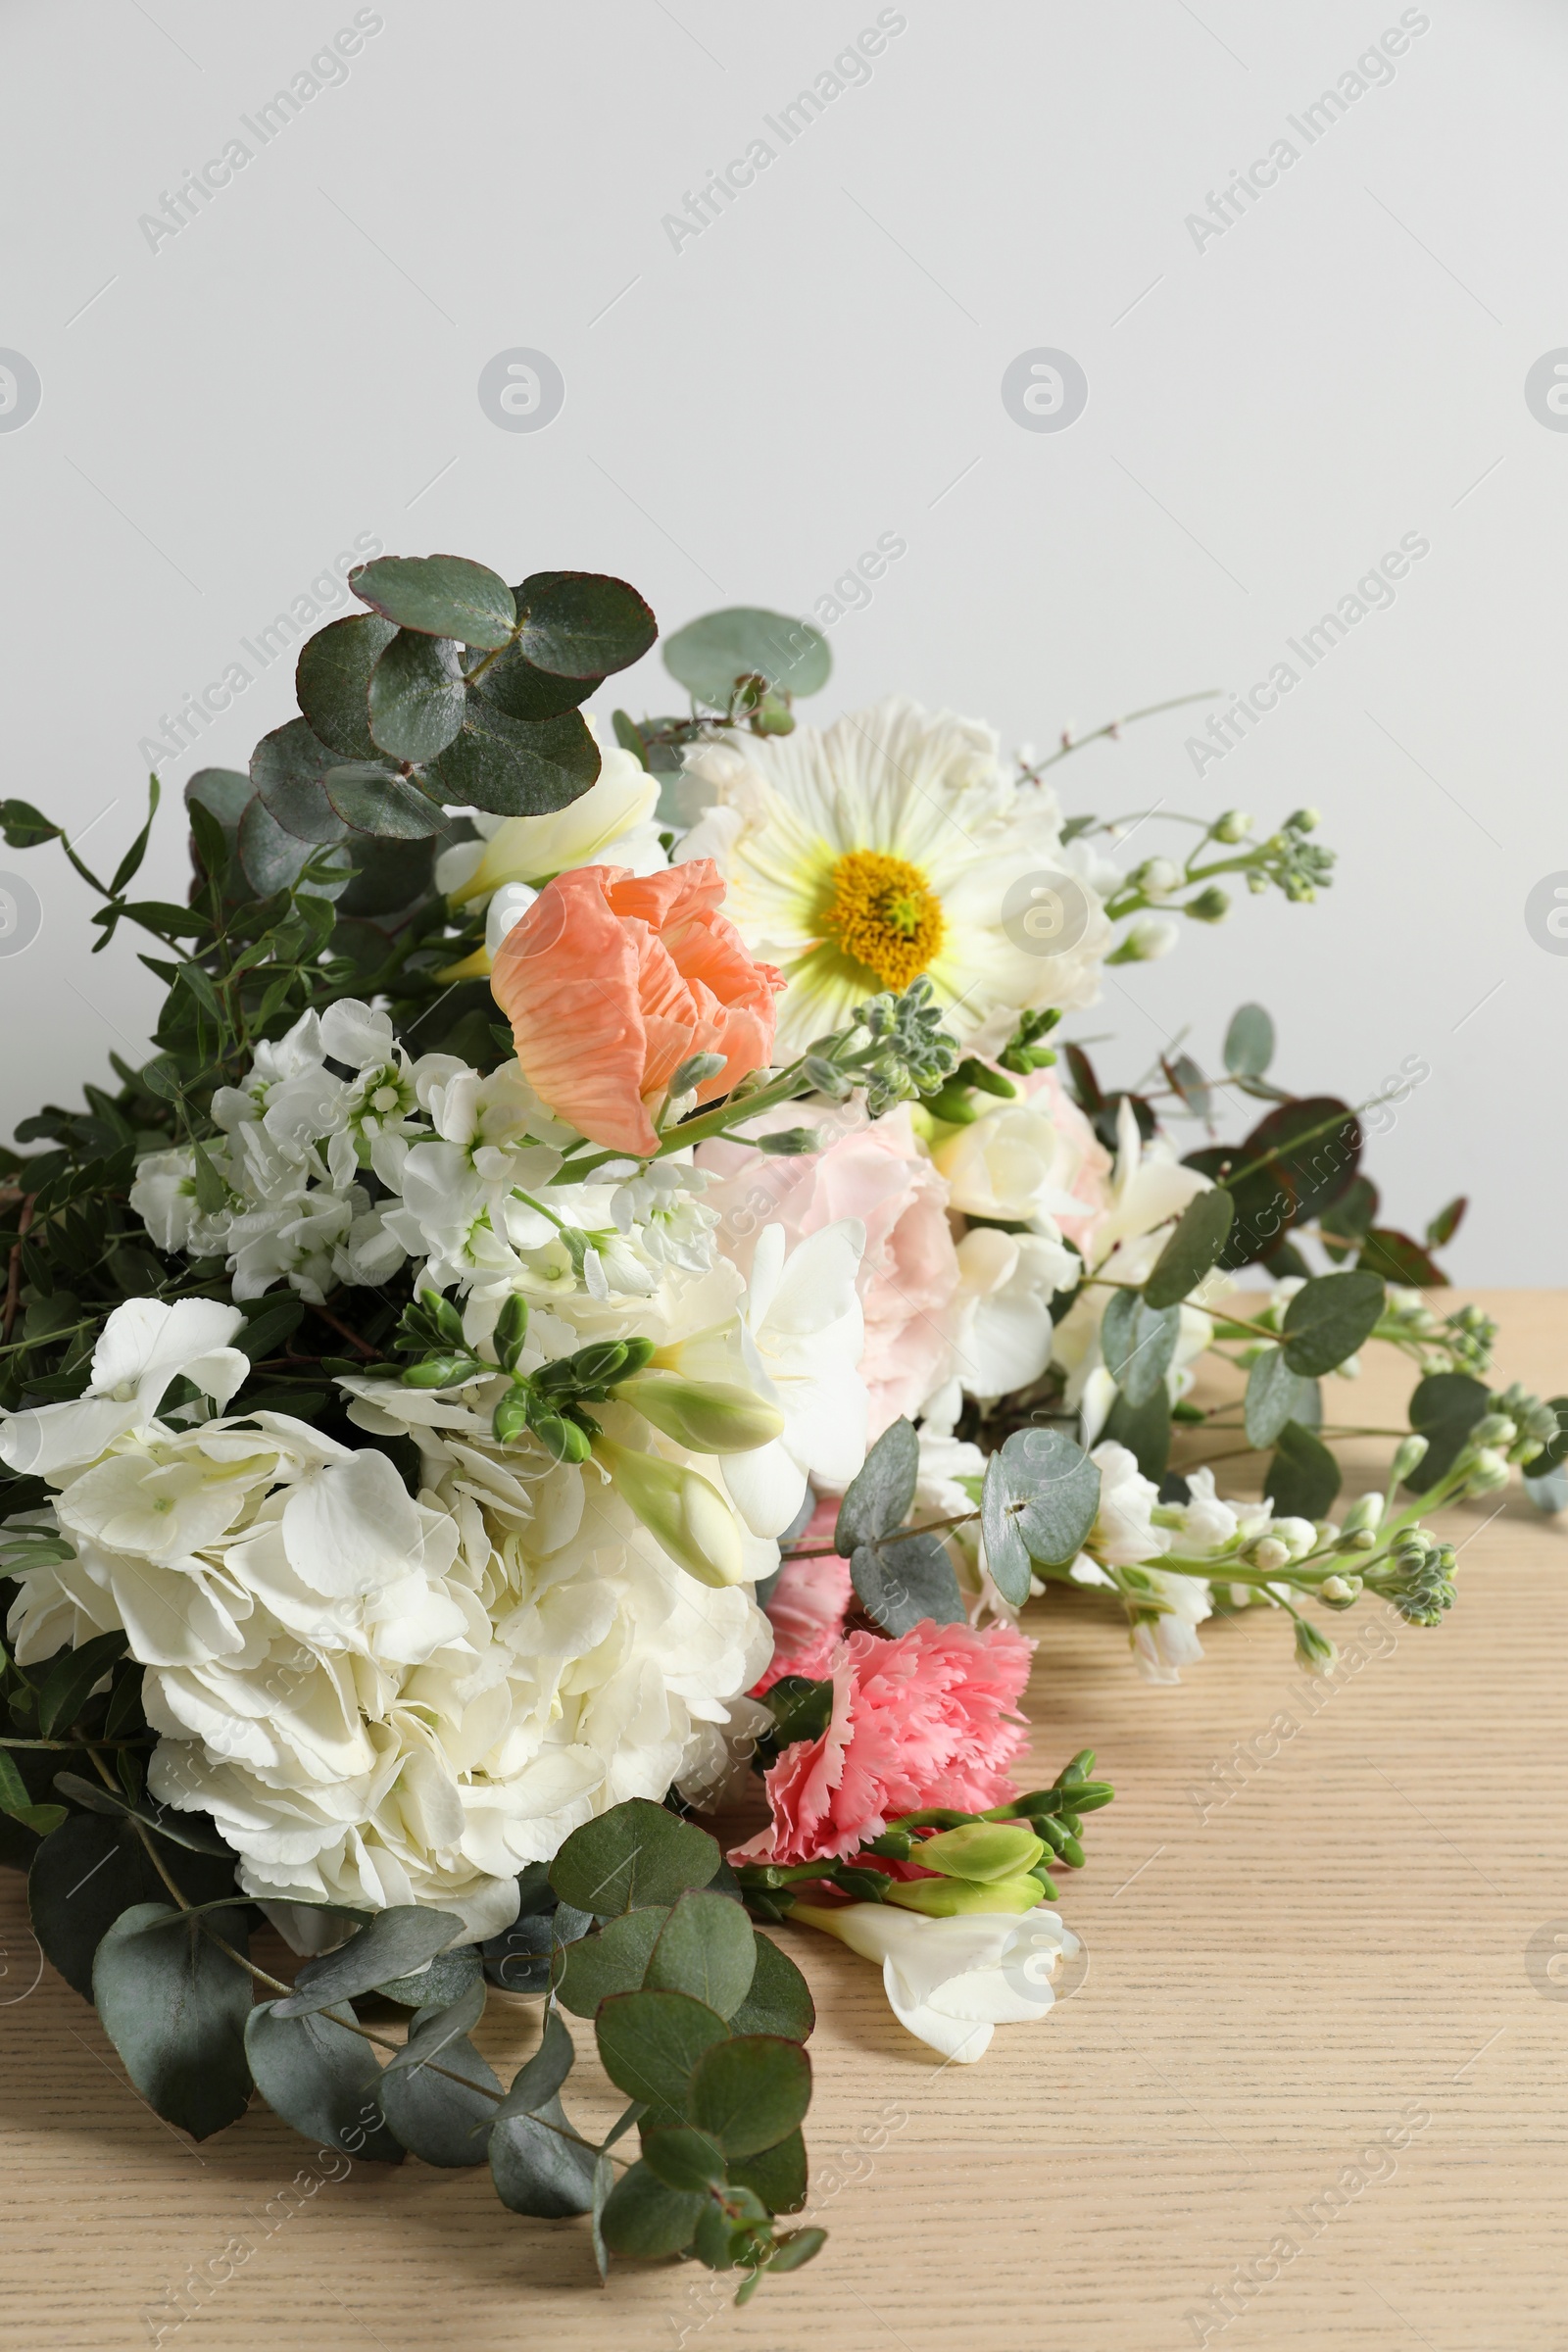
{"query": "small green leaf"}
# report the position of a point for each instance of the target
(272, 859)
(1445, 1224)
(615, 1960)
(794, 2251)
(649, 2043)
(1275, 1395)
(332, 680)
(706, 1948)
(878, 1497)
(777, 2175)
(68, 1679)
(1328, 1319)
(511, 768)
(536, 2168)
(1249, 1041)
(376, 801)
(1059, 1488)
(537, 2082)
(416, 696)
(904, 1578)
(323, 2079)
(174, 2006)
(393, 1943)
(286, 769)
(1443, 1409)
(684, 2157)
(1138, 1340)
(437, 2119)
(443, 596)
(644, 2218)
(582, 624)
(636, 1853)
(779, 2000)
(708, 655)
(1006, 1552)
(750, 2092)
(1145, 1429)
(1201, 1235)
(523, 692)
(1303, 1478)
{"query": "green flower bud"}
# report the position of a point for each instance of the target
(1210, 906)
(1488, 1472)
(1409, 1455)
(1494, 1429)
(442, 1372)
(512, 1330)
(510, 1416)
(695, 1071)
(1313, 1648)
(592, 1367)
(790, 1143)
(1365, 1512)
(560, 1437)
(1303, 820)
(987, 1850)
(1234, 825)
(682, 1510)
(954, 1898)
(711, 1416)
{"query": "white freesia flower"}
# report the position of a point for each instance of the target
(952, 1981)
(143, 1348)
(885, 847)
(999, 1323)
(1166, 1641)
(1011, 1162)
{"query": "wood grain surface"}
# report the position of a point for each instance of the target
(1302, 1938)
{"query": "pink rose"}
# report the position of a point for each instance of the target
(1084, 1166)
(909, 1272)
(926, 1718)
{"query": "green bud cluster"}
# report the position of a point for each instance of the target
(1024, 1051)
(909, 1052)
(548, 1404)
(1470, 1337)
(1417, 1576)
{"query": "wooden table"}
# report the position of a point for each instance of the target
(1349, 1935)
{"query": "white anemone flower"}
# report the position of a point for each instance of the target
(884, 847)
(952, 1981)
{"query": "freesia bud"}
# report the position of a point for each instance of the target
(1409, 1455)
(695, 1071)
(711, 1416)
(981, 1849)
(953, 1898)
(681, 1509)
(1365, 1512)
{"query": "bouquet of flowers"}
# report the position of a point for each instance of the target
(599, 1310)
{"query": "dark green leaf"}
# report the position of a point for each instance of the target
(394, 1942)
(582, 624)
(268, 1323)
(174, 2006)
(536, 2084)
(1445, 1224)
(437, 2119)
(416, 696)
(634, 1854)
(906, 1578)
(684, 2157)
(64, 1684)
(286, 769)
(1201, 1234)
(1138, 1340)
(1328, 1319)
(1351, 1217)
(374, 800)
(539, 2171)
(1189, 1084)
(1145, 1429)
(1274, 1395)
(512, 768)
(779, 2000)
(643, 2218)
(1443, 1409)
(878, 1497)
(130, 865)
(444, 595)
(332, 681)
(706, 1948)
(23, 825)
(323, 2079)
(615, 1960)
(91, 1869)
(750, 2092)
(1059, 1488)
(523, 692)
(451, 1977)
(1249, 1041)
(177, 1828)
(272, 859)
(1394, 1258)
(777, 2175)
(708, 655)
(794, 2252)
(1303, 1478)
(650, 2041)
(388, 875)
(1313, 1147)
(630, 737)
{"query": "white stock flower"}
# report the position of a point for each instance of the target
(143, 1348)
(880, 848)
(952, 1981)
(1164, 1643)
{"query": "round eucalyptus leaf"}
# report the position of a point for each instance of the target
(635, 1854)
(708, 655)
(521, 690)
(536, 2168)
(378, 801)
(437, 2119)
(174, 2005)
(644, 2217)
(445, 596)
(1249, 1041)
(1202, 1232)
(1058, 1488)
(416, 696)
(1329, 1318)
(1138, 1340)
(332, 680)
(582, 624)
(1303, 1477)
(286, 769)
(750, 2092)
(388, 875)
(323, 2079)
(510, 768)
(223, 791)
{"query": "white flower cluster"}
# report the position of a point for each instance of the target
(342, 1159)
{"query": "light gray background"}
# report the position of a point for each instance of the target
(221, 417)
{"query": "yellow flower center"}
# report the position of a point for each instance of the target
(883, 911)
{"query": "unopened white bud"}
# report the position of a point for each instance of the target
(1156, 878)
(1234, 825)
(1365, 1512)
(1150, 938)
(1488, 1472)
(1272, 1555)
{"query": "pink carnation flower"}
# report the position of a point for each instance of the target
(807, 1607)
(926, 1718)
(909, 1272)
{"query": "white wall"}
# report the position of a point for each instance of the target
(1268, 414)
